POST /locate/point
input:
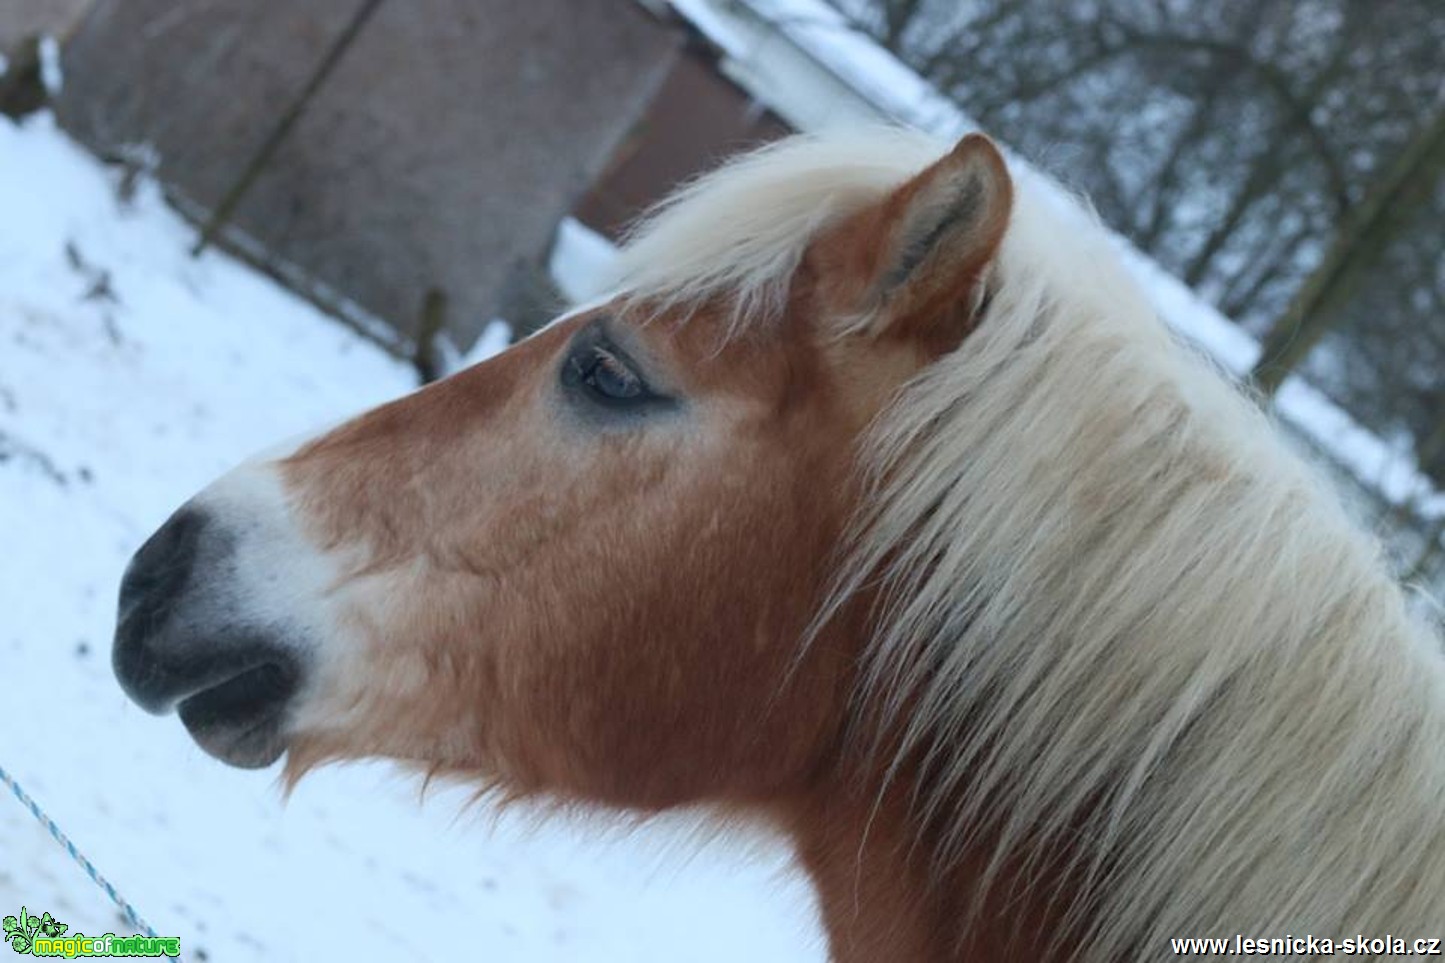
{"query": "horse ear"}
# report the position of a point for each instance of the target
(923, 252)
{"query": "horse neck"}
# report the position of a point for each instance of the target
(869, 854)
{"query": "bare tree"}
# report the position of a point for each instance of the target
(1276, 156)
(1374, 223)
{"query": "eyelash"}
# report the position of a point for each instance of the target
(604, 359)
(620, 386)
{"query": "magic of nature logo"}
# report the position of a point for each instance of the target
(46, 936)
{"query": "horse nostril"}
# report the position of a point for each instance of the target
(161, 568)
(149, 592)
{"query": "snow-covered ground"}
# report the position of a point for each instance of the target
(130, 375)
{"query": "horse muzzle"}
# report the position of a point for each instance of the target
(190, 638)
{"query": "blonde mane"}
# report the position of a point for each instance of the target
(1124, 622)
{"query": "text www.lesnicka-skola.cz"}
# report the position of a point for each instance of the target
(1240, 945)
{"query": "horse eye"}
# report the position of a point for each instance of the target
(611, 378)
(606, 377)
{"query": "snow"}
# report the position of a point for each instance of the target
(130, 375)
(51, 74)
(580, 260)
(715, 25)
(494, 338)
(816, 27)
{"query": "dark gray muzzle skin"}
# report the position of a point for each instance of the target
(184, 642)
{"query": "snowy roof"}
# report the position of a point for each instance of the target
(817, 30)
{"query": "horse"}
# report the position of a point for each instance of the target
(873, 504)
